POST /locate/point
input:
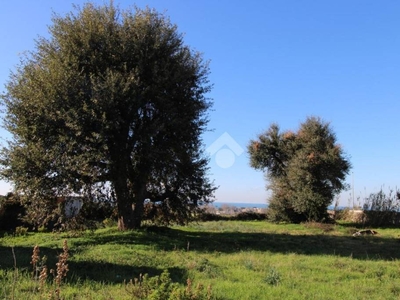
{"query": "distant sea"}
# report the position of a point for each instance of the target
(240, 204)
(257, 205)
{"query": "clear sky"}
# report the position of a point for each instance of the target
(272, 61)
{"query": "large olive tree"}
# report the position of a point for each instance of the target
(304, 169)
(112, 99)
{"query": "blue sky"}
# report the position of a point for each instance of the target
(273, 61)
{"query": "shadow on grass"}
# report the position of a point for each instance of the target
(82, 270)
(171, 239)
(168, 239)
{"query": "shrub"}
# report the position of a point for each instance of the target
(21, 231)
(11, 212)
(279, 211)
(250, 216)
(382, 209)
(350, 215)
(206, 216)
(162, 288)
(97, 210)
(109, 222)
(273, 277)
(90, 216)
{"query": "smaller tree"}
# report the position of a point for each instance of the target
(305, 169)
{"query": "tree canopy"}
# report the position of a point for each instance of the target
(304, 169)
(112, 100)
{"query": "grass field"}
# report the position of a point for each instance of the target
(238, 260)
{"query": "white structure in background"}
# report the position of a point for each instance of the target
(72, 205)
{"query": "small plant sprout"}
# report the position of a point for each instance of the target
(273, 277)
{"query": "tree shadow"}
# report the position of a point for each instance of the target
(170, 239)
(363, 247)
(366, 225)
(100, 271)
(117, 273)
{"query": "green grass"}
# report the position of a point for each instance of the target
(240, 260)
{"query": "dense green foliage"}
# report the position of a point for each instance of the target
(11, 212)
(305, 169)
(239, 260)
(111, 106)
